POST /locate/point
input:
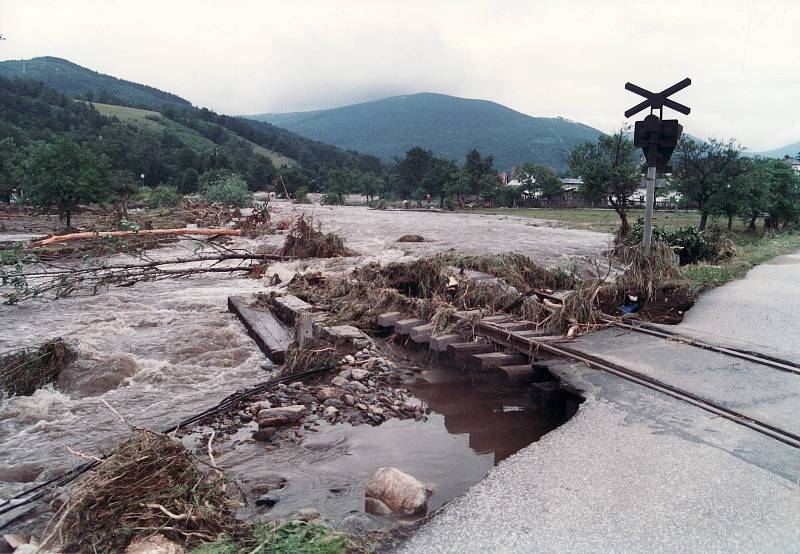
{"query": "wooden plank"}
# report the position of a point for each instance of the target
(389, 319)
(426, 329)
(438, 343)
(288, 307)
(514, 326)
(490, 361)
(269, 334)
(404, 326)
(517, 374)
(461, 351)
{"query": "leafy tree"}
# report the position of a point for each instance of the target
(458, 185)
(475, 168)
(125, 185)
(64, 175)
(370, 185)
(190, 181)
(538, 180)
(704, 171)
(10, 161)
(411, 171)
(784, 183)
(610, 172)
(339, 183)
(438, 178)
(231, 190)
(755, 190)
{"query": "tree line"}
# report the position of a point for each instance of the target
(711, 176)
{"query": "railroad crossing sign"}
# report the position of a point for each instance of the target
(657, 137)
(657, 100)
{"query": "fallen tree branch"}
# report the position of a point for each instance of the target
(220, 231)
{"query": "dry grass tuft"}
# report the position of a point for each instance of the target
(24, 371)
(150, 484)
(306, 241)
(644, 276)
(312, 355)
(517, 270)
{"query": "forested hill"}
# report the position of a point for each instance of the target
(72, 80)
(79, 82)
(446, 125)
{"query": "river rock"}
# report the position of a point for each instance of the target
(291, 413)
(339, 381)
(306, 514)
(330, 412)
(306, 398)
(346, 373)
(157, 544)
(268, 500)
(273, 422)
(335, 402)
(359, 374)
(349, 359)
(349, 399)
(264, 434)
(400, 492)
(375, 506)
(357, 524)
(269, 483)
(327, 392)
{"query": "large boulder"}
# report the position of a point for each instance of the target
(402, 493)
(290, 413)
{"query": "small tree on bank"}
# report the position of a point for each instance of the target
(538, 180)
(63, 175)
(611, 171)
(704, 171)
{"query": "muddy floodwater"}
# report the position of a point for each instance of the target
(161, 351)
(471, 427)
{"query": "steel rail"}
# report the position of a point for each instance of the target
(529, 345)
(755, 357)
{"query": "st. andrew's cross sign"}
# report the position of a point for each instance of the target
(657, 137)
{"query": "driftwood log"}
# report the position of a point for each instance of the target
(220, 231)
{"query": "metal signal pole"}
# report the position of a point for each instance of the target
(648, 208)
(657, 138)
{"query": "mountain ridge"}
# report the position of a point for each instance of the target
(75, 80)
(447, 125)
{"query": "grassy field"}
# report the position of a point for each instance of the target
(594, 219)
(145, 118)
(752, 250)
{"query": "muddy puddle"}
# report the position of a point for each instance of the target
(471, 427)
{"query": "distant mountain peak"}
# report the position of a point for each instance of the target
(447, 125)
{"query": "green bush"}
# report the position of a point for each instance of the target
(159, 197)
(230, 190)
(695, 245)
(300, 196)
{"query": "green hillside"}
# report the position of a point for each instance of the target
(446, 125)
(76, 81)
(136, 104)
(153, 121)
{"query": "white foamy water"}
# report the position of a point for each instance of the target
(157, 352)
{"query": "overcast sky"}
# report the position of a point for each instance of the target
(545, 58)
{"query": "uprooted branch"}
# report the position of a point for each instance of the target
(139, 233)
(64, 281)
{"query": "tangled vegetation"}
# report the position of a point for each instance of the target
(150, 484)
(291, 537)
(307, 241)
(24, 371)
(690, 243)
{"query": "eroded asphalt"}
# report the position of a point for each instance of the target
(638, 471)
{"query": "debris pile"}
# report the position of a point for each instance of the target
(307, 241)
(24, 371)
(256, 224)
(411, 238)
(150, 484)
(364, 391)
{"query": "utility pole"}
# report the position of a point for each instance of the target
(657, 137)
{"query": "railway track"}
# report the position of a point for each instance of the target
(519, 336)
